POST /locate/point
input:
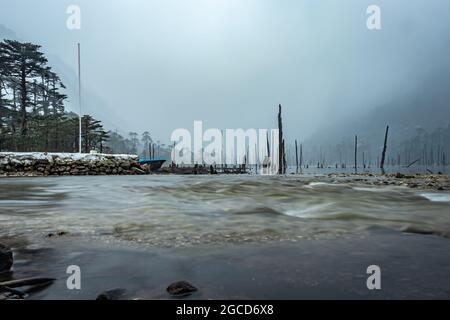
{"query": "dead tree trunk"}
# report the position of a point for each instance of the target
(301, 156)
(364, 160)
(383, 155)
(415, 161)
(280, 142)
(256, 159)
(356, 153)
(296, 155)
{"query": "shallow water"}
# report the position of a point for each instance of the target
(179, 211)
(412, 267)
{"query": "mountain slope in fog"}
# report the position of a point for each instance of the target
(427, 107)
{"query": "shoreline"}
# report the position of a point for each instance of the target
(425, 181)
(43, 164)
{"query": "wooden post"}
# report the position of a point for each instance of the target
(356, 153)
(296, 155)
(383, 155)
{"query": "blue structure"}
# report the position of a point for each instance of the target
(155, 164)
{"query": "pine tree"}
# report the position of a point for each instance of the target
(25, 62)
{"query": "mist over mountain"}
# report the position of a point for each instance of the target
(91, 103)
(425, 110)
(428, 107)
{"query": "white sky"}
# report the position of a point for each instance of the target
(161, 64)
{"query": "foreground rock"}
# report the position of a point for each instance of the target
(114, 294)
(6, 258)
(181, 288)
(66, 164)
(8, 289)
(8, 294)
(57, 234)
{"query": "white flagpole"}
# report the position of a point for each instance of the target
(79, 97)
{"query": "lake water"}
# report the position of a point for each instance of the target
(172, 211)
(202, 215)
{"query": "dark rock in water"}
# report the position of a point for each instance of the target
(181, 288)
(7, 295)
(58, 234)
(415, 230)
(113, 294)
(6, 258)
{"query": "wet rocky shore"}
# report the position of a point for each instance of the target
(35, 164)
(69, 164)
(438, 182)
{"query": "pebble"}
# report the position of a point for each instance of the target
(181, 288)
(6, 258)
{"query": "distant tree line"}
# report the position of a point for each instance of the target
(142, 145)
(428, 148)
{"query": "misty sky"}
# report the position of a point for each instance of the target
(158, 65)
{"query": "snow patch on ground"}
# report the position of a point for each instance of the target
(65, 156)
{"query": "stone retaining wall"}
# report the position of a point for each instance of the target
(65, 164)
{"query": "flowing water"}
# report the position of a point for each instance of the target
(261, 237)
(174, 211)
